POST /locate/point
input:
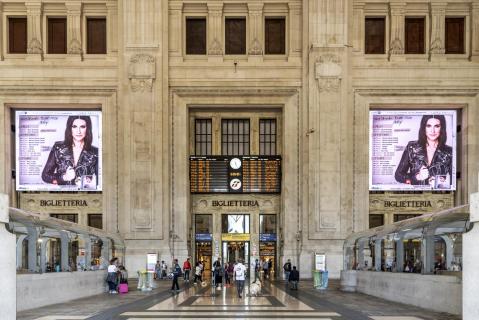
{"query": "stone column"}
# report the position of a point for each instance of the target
(106, 249)
(8, 289)
(396, 46)
(34, 30)
(360, 254)
(64, 243)
(358, 27)
(255, 21)
(438, 29)
(377, 254)
(427, 253)
(475, 32)
(87, 247)
(20, 250)
(295, 31)
(32, 248)
(400, 254)
(1, 31)
(175, 23)
(470, 256)
(74, 43)
(43, 254)
(215, 39)
(112, 27)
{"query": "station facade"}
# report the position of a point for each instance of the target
(238, 129)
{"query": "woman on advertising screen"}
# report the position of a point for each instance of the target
(73, 158)
(427, 161)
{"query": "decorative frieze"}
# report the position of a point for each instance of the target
(328, 72)
(255, 13)
(215, 14)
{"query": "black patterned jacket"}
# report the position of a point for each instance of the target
(61, 157)
(415, 156)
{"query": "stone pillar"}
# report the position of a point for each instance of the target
(215, 39)
(112, 27)
(20, 250)
(400, 254)
(438, 29)
(87, 247)
(74, 43)
(1, 31)
(64, 243)
(396, 46)
(470, 256)
(175, 26)
(106, 249)
(361, 254)
(8, 289)
(255, 21)
(377, 254)
(358, 27)
(43, 254)
(475, 32)
(145, 215)
(295, 30)
(32, 248)
(427, 253)
(34, 30)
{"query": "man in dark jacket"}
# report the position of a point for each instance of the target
(176, 274)
(294, 278)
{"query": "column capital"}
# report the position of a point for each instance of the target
(73, 7)
(214, 7)
(255, 6)
(33, 6)
(397, 8)
(175, 6)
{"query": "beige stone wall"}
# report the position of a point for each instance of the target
(322, 88)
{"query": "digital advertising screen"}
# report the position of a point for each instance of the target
(58, 150)
(412, 150)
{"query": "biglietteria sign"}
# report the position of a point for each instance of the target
(234, 203)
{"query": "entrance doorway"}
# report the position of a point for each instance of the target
(203, 253)
(234, 250)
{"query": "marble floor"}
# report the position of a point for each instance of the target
(276, 301)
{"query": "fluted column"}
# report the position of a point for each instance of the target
(112, 27)
(255, 14)
(215, 40)
(8, 289)
(175, 27)
(358, 27)
(475, 32)
(438, 29)
(74, 43)
(1, 31)
(34, 30)
(295, 30)
(396, 47)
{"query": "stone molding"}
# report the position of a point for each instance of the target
(328, 72)
(34, 46)
(142, 72)
(74, 47)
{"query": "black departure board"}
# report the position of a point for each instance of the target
(235, 174)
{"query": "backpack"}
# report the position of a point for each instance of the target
(287, 266)
(177, 271)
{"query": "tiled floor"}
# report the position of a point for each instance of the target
(275, 302)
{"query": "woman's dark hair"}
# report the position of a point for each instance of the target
(422, 130)
(88, 136)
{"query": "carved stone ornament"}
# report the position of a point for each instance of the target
(256, 48)
(328, 72)
(74, 47)
(215, 48)
(437, 47)
(142, 72)
(396, 47)
(35, 46)
(141, 85)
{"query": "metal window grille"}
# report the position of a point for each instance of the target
(203, 137)
(235, 137)
(267, 137)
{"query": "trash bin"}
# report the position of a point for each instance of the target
(324, 280)
(316, 279)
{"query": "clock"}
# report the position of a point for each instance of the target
(235, 163)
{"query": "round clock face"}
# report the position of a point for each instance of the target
(235, 184)
(235, 163)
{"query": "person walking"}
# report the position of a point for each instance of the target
(218, 273)
(294, 278)
(265, 269)
(287, 269)
(164, 269)
(227, 277)
(197, 273)
(186, 270)
(256, 270)
(240, 276)
(157, 274)
(176, 274)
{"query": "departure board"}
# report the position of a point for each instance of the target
(235, 174)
